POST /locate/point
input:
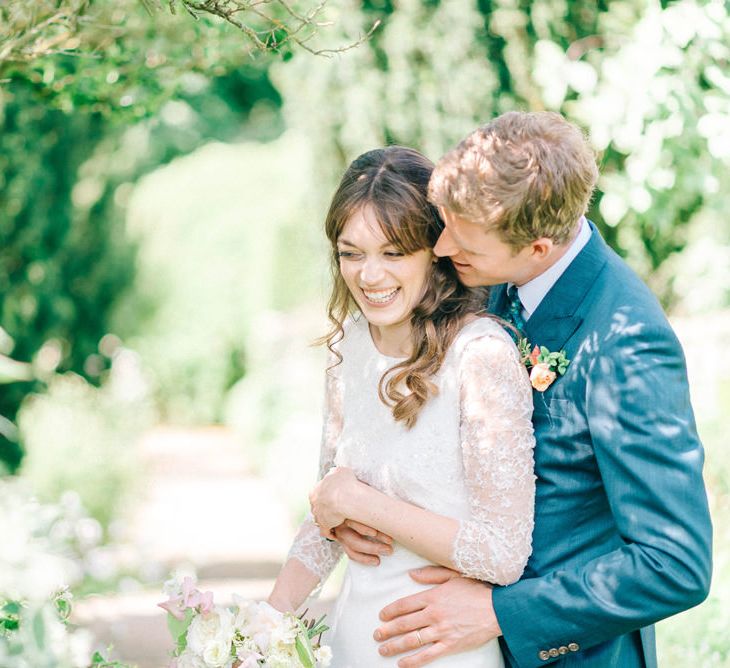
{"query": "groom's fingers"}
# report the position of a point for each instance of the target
(433, 575)
(362, 529)
(362, 550)
(425, 656)
(404, 606)
(405, 643)
(401, 626)
(365, 530)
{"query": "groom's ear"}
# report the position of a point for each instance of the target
(541, 248)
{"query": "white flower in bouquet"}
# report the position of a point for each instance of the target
(282, 657)
(210, 636)
(261, 621)
(285, 633)
(247, 611)
(323, 656)
(218, 654)
(247, 651)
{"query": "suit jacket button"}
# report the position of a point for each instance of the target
(562, 649)
(553, 652)
(574, 647)
(544, 655)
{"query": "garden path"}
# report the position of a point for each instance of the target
(202, 508)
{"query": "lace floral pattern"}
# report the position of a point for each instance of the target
(319, 555)
(497, 445)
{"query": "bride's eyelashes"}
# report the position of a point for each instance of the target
(352, 255)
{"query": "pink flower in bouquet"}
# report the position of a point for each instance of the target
(188, 597)
(174, 605)
(206, 602)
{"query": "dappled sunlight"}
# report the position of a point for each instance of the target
(163, 274)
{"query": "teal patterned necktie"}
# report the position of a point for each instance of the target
(513, 310)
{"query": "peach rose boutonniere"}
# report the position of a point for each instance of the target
(544, 366)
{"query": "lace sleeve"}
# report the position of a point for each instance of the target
(497, 447)
(316, 553)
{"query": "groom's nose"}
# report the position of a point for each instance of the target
(445, 246)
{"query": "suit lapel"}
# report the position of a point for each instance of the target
(558, 316)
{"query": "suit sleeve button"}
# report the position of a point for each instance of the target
(553, 652)
(562, 649)
(544, 655)
(574, 647)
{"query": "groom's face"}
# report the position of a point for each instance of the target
(480, 256)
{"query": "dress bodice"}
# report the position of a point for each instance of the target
(422, 465)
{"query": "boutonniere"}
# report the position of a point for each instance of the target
(544, 366)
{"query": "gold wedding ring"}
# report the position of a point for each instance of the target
(418, 637)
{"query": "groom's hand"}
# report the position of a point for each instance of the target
(363, 543)
(454, 616)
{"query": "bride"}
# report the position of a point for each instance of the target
(427, 434)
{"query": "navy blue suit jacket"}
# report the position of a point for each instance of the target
(622, 528)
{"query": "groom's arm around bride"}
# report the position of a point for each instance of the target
(622, 529)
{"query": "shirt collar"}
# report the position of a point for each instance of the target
(534, 291)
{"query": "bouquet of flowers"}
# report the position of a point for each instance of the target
(247, 634)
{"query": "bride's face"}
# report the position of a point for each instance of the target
(385, 283)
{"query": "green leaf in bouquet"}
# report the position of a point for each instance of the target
(317, 628)
(305, 651)
(179, 629)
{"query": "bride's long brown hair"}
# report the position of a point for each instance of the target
(393, 182)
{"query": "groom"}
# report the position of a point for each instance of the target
(622, 530)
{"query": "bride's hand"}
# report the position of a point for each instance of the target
(328, 500)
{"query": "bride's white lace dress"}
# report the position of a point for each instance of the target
(469, 457)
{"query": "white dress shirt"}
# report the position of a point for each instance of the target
(534, 291)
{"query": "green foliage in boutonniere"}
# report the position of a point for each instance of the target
(544, 366)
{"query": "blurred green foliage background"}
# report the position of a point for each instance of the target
(163, 184)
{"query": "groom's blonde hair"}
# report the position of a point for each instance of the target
(526, 175)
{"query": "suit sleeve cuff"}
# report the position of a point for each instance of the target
(522, 631)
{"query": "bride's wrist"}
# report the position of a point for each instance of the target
(281, 603)
(355, 500)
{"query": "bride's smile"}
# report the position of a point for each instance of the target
(380, 297)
